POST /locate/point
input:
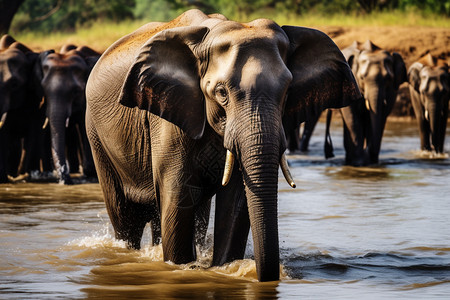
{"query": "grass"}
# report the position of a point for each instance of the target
(102, 34)
(391, 18)
(99, 36)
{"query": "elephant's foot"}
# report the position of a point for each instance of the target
(65, 179)
(64, 175)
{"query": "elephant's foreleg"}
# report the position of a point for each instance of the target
(177, 229)
(310, 124)
(232, 223)
(202, 213)
(355, 154)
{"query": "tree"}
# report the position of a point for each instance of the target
(8, 9)
(58, 15)
(368, 5)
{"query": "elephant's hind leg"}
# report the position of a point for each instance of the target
(127, 216)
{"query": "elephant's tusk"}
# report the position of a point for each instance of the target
(45, 123)
(427, 115)
(367, 105)
(67, 122)
(42, 102)
(228, 168)
(2, 120)
(285, 169)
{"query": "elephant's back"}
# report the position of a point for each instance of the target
(108, 74)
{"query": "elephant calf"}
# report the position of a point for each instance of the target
(429, 85)
(172, 103)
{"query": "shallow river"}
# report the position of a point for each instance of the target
(381, 232)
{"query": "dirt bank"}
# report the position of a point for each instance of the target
(411, 42)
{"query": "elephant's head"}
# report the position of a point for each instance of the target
(238, 79)
(15, 68)
(63, 78)
(379, 75)
(429, 81)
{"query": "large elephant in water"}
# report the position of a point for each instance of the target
(62, 77)
(20, 111)
(168, 102)
(429, 85)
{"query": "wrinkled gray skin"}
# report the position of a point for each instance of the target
(379, 75)
(20, 113)
(429, 85)
(168, 100)
(63, 78)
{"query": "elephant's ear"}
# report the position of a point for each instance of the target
(399, 70)
(164, 79)
(38, 73)
(413, 75)
(322, 77)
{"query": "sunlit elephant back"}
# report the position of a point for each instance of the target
(63, 76)
(429, 85)
(20, 136)
(172, 103)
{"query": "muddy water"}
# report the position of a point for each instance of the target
(379, 232)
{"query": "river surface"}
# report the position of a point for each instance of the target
(374, 232)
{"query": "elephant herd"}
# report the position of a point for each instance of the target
(201, 106)
(42, 108)
(379, 74)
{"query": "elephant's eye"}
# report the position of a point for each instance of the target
(221, 94)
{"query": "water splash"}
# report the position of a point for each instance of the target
(153, 253)
(99, 239)
(424, 154)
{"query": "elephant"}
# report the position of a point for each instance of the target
(173, 106)
(429, 86)
(379, 74)
(21, 140)
(62, 77)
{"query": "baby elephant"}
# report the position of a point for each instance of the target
(429, 85)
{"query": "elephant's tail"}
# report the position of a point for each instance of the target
(328, 148)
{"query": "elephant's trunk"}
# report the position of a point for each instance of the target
(58, 124)
(376, 100)
(260, 170)
(259, 155)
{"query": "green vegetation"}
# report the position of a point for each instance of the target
(57, 15)
(100, 22)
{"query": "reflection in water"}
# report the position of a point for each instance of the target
(345, 232)
(349, 172)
